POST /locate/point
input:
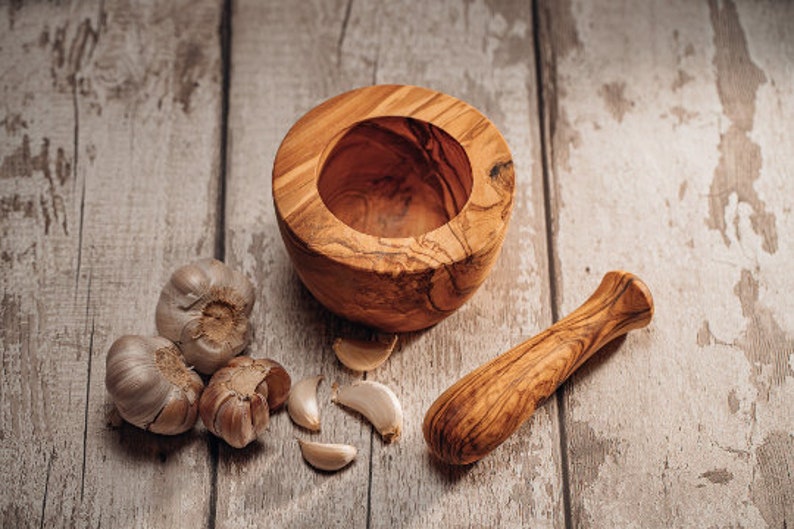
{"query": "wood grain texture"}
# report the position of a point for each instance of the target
(105, 187)
(402, 231)
(669, 152)
(481, 410)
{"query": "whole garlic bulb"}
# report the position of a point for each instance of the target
(204, 309)
(237, 402)
(151, 385)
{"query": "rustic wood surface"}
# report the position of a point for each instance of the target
(669, 148)
(654, 137)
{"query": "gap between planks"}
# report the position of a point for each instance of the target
(225, 31)
(541, 42)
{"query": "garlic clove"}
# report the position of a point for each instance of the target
(235, 404)
(214, 397)
(362, 355)
(302, 404)
(374, 401)
(235, 422)
(204, 308)
(151, 385)
(175, 417)
(278, 384)
(326, 456)
(260, 412)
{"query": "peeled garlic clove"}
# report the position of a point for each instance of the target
(374, 401)
(302, 403)
(326, 456)
(204, 309)
(151, 385)
(235, 404)
(361, 355)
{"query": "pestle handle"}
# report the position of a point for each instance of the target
(485, 407)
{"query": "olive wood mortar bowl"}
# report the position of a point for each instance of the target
(393, 202)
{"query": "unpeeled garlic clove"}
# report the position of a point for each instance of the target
(374, 401)
(362, 355)
(302, 403)
(204, 309)
(151, 385)
(277, 380)
(327, 456)
(235, 406)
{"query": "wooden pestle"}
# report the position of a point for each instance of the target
(485, 407)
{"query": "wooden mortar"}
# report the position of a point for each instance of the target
(393, 202)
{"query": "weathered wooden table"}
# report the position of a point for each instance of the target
(651, 136)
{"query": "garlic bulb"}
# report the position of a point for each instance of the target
(327, 456)
(237, 402)
(151, 385)
(204, 309)
(302, 403)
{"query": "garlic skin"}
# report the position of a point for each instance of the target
(326, 456)
(151, 385)
(204, 309)
(374, 401)
(361, 355)
(237, 402)
(302, 404)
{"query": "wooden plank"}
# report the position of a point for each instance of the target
(670, 148)
(481, 52)
(284, 62)
(484, 56)
(109, 180)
